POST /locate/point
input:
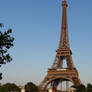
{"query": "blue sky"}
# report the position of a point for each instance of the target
(36, 28)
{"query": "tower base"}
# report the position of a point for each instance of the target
(55, 76)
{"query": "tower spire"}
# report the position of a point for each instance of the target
(64, 39)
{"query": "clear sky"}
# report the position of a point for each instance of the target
(36, 28)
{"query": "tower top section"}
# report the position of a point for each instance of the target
(64, 3)
(64, 39)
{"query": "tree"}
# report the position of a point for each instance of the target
(80, 88)
(1, 89)
(31, 87)
(9, 87)
(6, 42)
(89, 87)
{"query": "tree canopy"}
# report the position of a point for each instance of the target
(6, 42)
(31, 87)
(9, 87)
(82, 88)
(89, 87)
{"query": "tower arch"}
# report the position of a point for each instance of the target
(60, 78)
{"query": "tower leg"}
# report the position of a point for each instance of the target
(61, 86)
(67, 85)
(59, 63)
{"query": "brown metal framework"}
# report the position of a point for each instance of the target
(57, 73)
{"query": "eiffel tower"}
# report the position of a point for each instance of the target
(57, 73)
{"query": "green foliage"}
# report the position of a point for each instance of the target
(1, 25)
(89, 87)
(9, 87)
(80, 88)
(31, 87)
(6, 42)
(1, 89)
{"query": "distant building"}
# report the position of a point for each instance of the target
(22, 88)
(50, 90)
(72, 90)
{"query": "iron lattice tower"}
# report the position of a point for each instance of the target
(57, 73)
